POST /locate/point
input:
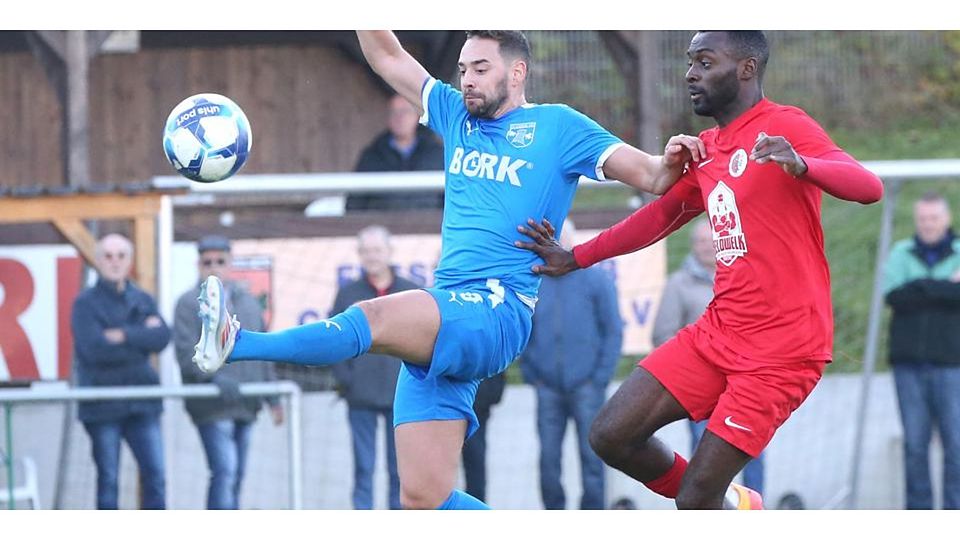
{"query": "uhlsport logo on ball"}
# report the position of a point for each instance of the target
(207, 138)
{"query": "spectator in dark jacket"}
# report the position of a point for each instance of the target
(404, 146)
(116, 327)
(922, 286)
(570, 360)
(369, 382)
(224, 423)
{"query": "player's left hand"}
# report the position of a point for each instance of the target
(682, 148)
(780, 151)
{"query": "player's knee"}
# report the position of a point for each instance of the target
(373, 311)
(421, 498)
(603, 440)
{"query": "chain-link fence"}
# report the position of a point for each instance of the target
(849, 79)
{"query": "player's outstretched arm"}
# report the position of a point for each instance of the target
(835, 172)
(654, 174)
(390, 61)
(640, 229)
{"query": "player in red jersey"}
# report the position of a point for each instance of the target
(764, 340)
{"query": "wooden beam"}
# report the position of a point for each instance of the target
(95, 41)
(78, 108)
(85, 206)
(55, 39)
(145, 253)
(77, 234)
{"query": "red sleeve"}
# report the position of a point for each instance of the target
(840, 175)
(646, 226)
(828, 167)
(802, 132)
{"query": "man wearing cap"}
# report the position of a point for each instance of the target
(224, 423)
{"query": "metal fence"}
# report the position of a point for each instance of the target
(837, 76)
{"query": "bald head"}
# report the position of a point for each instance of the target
(402, 120)
(114, 257)
(375, 250)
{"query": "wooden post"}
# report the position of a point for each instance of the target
(65, 56)
(145, 240)
(78, 108)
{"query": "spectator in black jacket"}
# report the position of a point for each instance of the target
(404, 146)
(922, 286)
(116, 327)
(369, 382)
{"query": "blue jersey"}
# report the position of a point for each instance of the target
(499, 172)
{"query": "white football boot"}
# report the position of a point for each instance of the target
(218, 331)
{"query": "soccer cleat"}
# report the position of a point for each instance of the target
(218, 331)
(742, 498)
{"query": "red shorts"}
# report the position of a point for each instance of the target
(745, 399)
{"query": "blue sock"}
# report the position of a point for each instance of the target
(460, 500)
(333, 340)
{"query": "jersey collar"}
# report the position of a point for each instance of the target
(746, 117)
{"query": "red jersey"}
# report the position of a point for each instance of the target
(772, 286)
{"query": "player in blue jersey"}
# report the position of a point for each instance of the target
(505, 160)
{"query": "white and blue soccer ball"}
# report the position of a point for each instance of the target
(207, 138)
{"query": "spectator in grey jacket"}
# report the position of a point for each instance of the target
(225, 422)
(369, 382)
(116, 327)
(685, 297)
(571, 357)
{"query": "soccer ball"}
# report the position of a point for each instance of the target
(207, 138)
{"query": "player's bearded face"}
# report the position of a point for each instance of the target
(485, 104)
(717, 92)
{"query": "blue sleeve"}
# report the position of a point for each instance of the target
(441, 104)
(584, 145)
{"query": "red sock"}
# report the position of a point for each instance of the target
(668, 485)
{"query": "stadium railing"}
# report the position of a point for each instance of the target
(10, 398)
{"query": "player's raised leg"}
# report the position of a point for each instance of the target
(623, 433)
(403, 324)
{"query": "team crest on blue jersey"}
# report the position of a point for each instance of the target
(521, 135)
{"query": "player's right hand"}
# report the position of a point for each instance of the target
(558, 261)
(683, 148)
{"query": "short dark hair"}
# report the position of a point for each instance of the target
(512, 42)
(747, 43)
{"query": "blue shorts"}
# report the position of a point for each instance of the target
(483, 328)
